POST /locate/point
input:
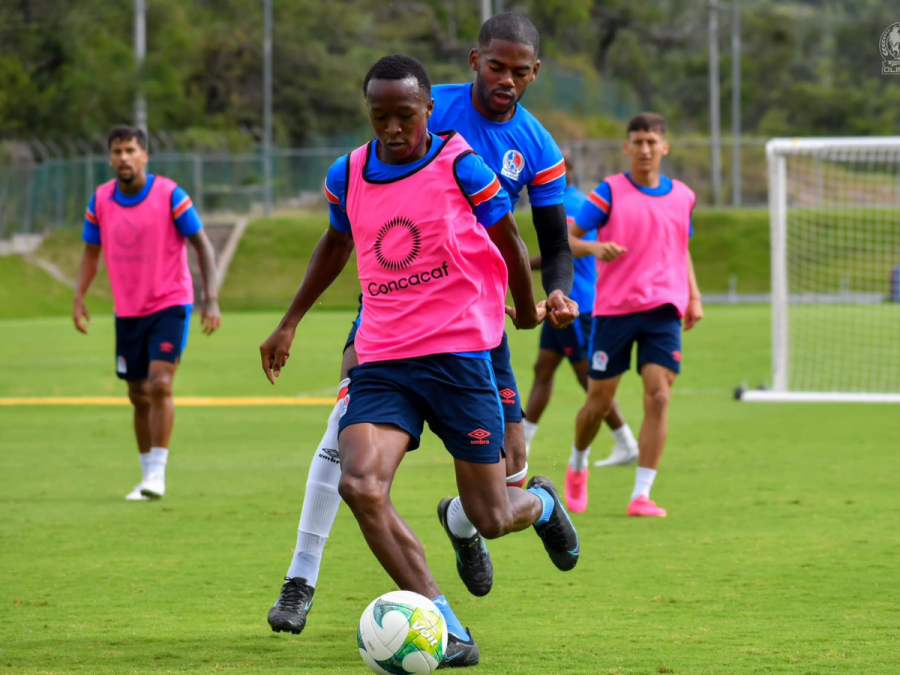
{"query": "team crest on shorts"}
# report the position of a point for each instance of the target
(600, 361)
(121, 366)
(513, 164)
(345, 404)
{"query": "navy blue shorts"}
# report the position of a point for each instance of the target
(456, 395)
(571, 342)
(506, 382)
(656, 331)
(157, 337)
(500, 358)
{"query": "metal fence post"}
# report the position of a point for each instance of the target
(198, 181)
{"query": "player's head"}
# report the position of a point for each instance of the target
(646, 144)
(127, 152)
(506, 60)
(398, 96)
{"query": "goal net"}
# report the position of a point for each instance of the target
(835, 225)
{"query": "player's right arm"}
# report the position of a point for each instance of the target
(505, 235)
(328, 260)
(594, 215)
(87, 270)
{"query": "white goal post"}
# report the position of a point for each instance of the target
(834, 207)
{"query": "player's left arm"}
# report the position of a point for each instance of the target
(695, 304)
(188, 223)
(545, 191)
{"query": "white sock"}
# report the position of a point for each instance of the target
(517, 477)
(624, 437)
(579, 459)
(145, 464)
(530, 430)
(156, 465)
(643, 481)
(320, 503)
(458, 522)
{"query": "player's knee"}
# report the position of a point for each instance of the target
(362, 493)
(159, 387)
(139, 397)
(543, 373)
(599, 406)
(657, 400)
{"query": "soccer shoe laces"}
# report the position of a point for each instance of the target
(294, 595)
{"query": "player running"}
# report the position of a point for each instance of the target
(420, 209)
(141, 221)
(524, 155)
(645, 285)
(572, 343)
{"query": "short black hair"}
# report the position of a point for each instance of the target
(398, 67)
(647, 121)
(126, 133)
(510, 27)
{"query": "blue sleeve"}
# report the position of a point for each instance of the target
(185, 215)
(483, 188)
(336, 194)
(596, 209)
(691, 230)
(549, 182)
(90, 233)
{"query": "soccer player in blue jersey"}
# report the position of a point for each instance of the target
(572, 343)
(512, 142)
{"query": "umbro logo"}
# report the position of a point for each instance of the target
(166, 347)
(480, 436)
(331, 454)
(508, 396)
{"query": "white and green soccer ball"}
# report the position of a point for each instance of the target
(402, 633)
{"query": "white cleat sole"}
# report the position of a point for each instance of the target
(135, 496)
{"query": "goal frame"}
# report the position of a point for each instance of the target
(777, 151)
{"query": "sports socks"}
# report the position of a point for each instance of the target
(321, 501)
(457, 521)
(579, 459)
(145, 465)
(624, 438)
(518, 479)
(155, 464)
(643, 481)
(530, 430)
(453, 624)
(547, 502)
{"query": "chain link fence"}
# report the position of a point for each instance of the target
(39, 194)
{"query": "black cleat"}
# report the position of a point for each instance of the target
(460, 653)
(558, 534)
(473, 562)
(288, 615)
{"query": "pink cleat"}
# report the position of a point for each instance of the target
(642, 506)
(576, 490)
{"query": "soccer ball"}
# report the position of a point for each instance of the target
(401, 633)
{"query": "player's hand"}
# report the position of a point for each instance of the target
(693, 314)
(275, 352)
(561, 311)
(210, 317)
(80, 315)
(607, 251)
(522, 323)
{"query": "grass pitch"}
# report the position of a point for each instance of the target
(779, 554)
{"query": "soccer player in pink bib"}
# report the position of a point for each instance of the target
(140, 222)
(645, 287)
(436, 246)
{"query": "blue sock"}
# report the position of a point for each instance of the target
(548, 502)
(453, 624)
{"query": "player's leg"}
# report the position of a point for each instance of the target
(166, 339)
(321, 502)
(132, 366)
(550, 354)
(659, 361)
(625, 450)
(140, 401)
(611, 340)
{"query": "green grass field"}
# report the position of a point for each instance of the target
(779, 554)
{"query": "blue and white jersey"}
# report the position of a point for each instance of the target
(585, 279)
(520, 151)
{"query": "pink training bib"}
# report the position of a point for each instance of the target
(655, 230)
(432, 280)
(145, 254)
